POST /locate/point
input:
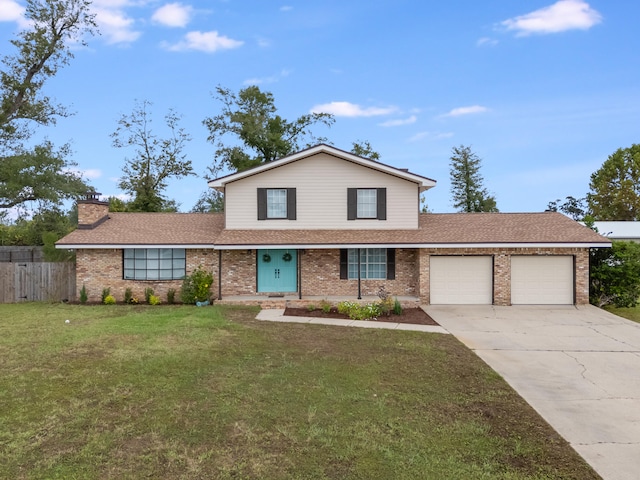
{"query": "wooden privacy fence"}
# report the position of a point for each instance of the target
(37, 281)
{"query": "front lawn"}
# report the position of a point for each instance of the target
(186, 392)
(630, 313)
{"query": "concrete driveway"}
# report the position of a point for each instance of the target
(579, 367)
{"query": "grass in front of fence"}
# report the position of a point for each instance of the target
(186, 392)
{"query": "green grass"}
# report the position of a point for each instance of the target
(630, 313)
(170, 392)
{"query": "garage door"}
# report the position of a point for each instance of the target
(461, 280)
(538, 280)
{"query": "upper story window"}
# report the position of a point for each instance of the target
(154, 263)
(276, 203)
(366, 203)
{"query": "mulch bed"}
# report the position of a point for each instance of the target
(413, 316)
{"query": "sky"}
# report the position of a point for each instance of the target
(543, 92)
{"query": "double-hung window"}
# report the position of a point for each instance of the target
(276, 203)
(154, 263)
(373, 263)
(366, 203)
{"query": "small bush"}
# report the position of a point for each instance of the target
(109, 300)
(128, 296)
(355, 311)
(148, 293)
(311, 307)
(154, 300)
(83, 294)
(397, 307)
(171, 296)
(196, 287)
(105, 293)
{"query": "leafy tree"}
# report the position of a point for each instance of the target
(157, 160)
(363, 148)
(467, 189)
(210, 201)
(572, 207)
(51, 221)
(615, 274)
(615, 187)
(251, 118)
(38, 173)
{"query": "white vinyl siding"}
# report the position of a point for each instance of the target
(461, 280)
(321, 182)
(542, 280)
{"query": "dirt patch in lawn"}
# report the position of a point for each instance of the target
(414, 316)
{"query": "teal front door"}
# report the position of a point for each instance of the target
(277, 271)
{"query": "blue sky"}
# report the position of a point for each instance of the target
(542, 91)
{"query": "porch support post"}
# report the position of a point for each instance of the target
(359, 279)
(299, 258)
(219, 274)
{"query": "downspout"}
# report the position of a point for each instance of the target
(219, 274)
(359, 279)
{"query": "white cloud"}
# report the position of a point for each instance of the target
(114, 23)
(173, 15)
(11, 11)
(286, 8)
(205, 42)
(460, 111)
(347, 109)
(486, 42)
(559, 17)
(271, 79)
(399, 122)
(91, 173)
(430, 136)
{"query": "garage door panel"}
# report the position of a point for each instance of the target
(458, 280)
(542, 280)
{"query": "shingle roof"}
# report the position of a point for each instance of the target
(434, 229)
(151, 229)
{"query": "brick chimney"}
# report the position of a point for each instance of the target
(92, 211)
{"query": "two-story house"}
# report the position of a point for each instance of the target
(325, 223)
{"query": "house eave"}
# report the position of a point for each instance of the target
(293, 246)
(81, 246)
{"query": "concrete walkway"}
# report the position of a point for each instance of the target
(277, 315)
(579, 367)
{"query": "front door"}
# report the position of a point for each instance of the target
(277, 270)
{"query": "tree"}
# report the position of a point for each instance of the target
(615, 188)
(251, 118)
(363, 148)
(467, 189)
(615, 274)
(572, 207)
(42, 172)
(157, 160)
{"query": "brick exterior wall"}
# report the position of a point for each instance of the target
(320, 272)
(502, 269)
(103, 268)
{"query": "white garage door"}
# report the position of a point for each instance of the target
(461, 280)
(542, 280)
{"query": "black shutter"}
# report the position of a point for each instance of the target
(262, 204)
(382, 203)
(391, 263)
(344, 264)
(352, 203)
(291, 203)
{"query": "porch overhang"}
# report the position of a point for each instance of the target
(319, 246)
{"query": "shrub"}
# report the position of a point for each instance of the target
(105, 293)
(196, 287)
(109, 300)
(311, 307)
(83, 294)
(615, 275)
(128, 296)
(326, 306)
(154, 300)
(171, 296)
(148, 293)
(355, 311)
(397, 307)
